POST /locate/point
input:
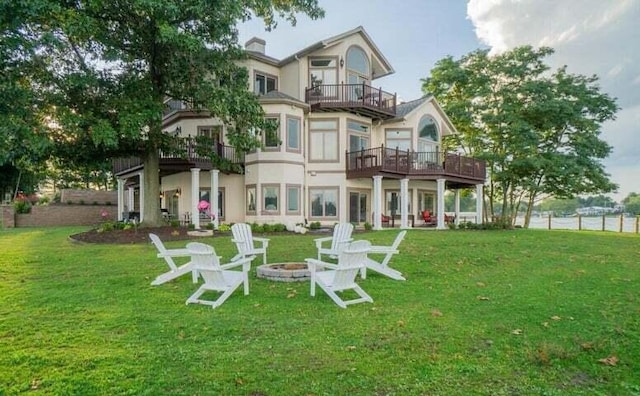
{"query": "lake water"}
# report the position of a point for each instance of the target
(588, 223)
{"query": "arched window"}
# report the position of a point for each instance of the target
(428, 136)
(357, 66)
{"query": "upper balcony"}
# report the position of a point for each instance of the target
(359, 99)
(187, 154)
(456, 169)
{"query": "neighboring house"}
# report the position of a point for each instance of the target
(347, 151)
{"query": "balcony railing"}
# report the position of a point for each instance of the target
(187, 152)
(368, 162)
(357, 98)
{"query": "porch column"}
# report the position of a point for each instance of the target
(120, 199)
(457, 206)
(130, 203)
(404, 203)
(377, 202)
(479, 203)
(214, 196)
(195, 197)
(440, 198)
(141, 196)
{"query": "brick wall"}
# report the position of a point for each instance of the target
(88, 196)
(63, 214)
(7, 216)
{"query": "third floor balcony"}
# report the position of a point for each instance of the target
(359, 99)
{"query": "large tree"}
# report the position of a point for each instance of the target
(538, 130)
(108, 67)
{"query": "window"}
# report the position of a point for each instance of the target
(428, 138)
(323, 71)
(357, 66)
(251, 199)
(293, 199)
(271, 140)
(293, 134)
(358, 135)
(323, 140)
(264, 83)
(270, 197)
(324, 202)
(400, 139)
(426, 201)
(205, 196)
(393, 202)
(211, 133)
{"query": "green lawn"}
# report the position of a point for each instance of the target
(488, 313)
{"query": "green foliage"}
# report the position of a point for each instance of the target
(315, 225)
(174, 223)
(560, 206)
(448, 330)
(538, 130)
(279, 227)
(224, 227)
(368, 226)
(22, 206)
(632, 204)
(255, 227)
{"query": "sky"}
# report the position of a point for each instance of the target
(600, 37)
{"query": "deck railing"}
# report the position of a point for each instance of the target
(351, 95)
(188, 150)
(382, 159)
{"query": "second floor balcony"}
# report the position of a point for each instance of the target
(186, 154)
(359, 99)
(395, 163)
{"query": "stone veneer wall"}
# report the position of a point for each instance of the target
(7, 216)
(65, 215)
(88, 197)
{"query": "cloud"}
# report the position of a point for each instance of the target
(598, 37)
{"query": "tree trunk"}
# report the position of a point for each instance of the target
(152, 216)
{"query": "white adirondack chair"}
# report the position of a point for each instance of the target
(168, 255)
(245, 242)
(383, 267)
(340, 277)
(341, 237)
(217, 277)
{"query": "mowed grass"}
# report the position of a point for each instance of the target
(481, 313)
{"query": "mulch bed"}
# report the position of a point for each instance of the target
(140, 235)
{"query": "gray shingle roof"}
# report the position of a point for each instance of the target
(407, 107)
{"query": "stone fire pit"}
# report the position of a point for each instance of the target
(284, 272)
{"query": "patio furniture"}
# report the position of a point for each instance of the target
(429, 219)
(217, 277)
(383, 267)
(168, 255)
(341, 237)
(245, 242)
(341, 277)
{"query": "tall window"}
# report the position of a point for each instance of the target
(427, 201)
(358, 135)
(323, 140)
(357, 66)
(212, 133)
(205, 195)
(251, 199)
(293, 134)
(324, 202)
(271, 140)
(428, 136)
(293, 199)
(323, 71)
(394, 203)
(400, 139)
(264, 83)
(271, 198)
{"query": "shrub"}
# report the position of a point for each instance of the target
(175, 223)
(255, 227)
(268, 227)
(191, 226)
(108, 203)
(22, 206)
(279, 227)
(81, 202)
(107, 226)
(43, 200)
(315, 225)
(209, 226)
(368, 226)
(224, 228)
(69, 202)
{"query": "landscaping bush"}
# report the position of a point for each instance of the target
(224, 228)
(368, 226)
(22, 206)
(279, 227)
(315, 225)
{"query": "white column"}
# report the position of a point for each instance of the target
(120, 198)
(377, 202)
(404, 203)
(457, 206)
(195, 197)
(141, 196)
(440, 200)
(479, 203)
(130, 203)
(214, 196)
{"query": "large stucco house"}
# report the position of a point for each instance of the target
(347, 151)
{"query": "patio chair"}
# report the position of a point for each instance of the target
(168, 255)
(428, 218)
(383, 267)
(341, 277)
(341, 237)
(245, 242)
(217, 278)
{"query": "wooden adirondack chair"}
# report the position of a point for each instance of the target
(341, 237)
(245, 242)
(342, 276)
(217, 277)
(168, 255)
(383, 267)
